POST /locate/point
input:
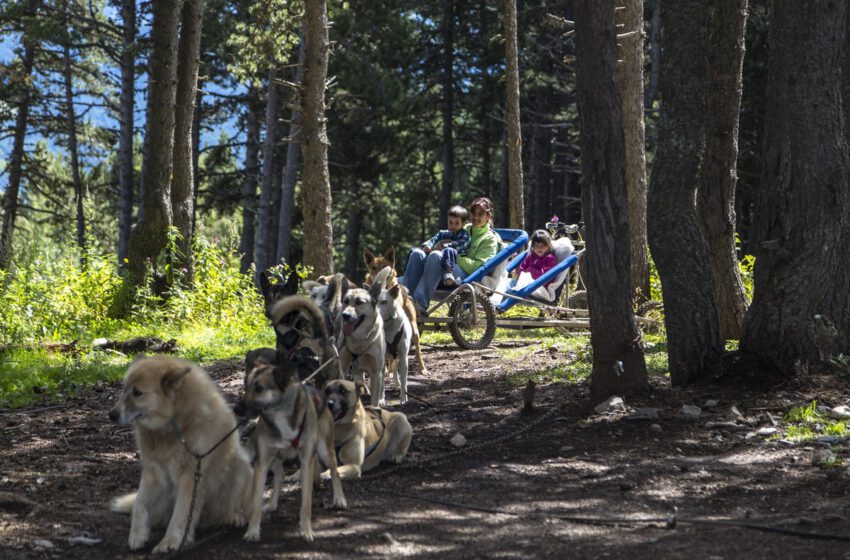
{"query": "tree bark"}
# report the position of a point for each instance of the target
(290, 172)
(16, 159)
(618, 362)
(264, 214)
(716, 192)
(448, 110)
(631, 92)
(74, 150)
(183, 181)
(125, 142)
(800, 314)
(149, 235)
(680, 252)
(318, 233)
(516, 211)
(249, 181)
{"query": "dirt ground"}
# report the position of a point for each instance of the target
(559, 481)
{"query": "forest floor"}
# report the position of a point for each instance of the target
(523, 485)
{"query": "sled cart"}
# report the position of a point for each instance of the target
(479, 304)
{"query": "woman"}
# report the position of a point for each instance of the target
(424, 271)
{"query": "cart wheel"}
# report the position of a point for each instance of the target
(578, 300)
(465, 333)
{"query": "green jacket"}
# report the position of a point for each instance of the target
(484, 246)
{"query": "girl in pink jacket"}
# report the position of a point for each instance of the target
(540, 258)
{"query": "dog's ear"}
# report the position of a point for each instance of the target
(394, 291)
(389, 255)
(173, 378)
(368, 257)
(343, 286)
(308, 285)
(291, 285)
(359, 388)
(375, 291)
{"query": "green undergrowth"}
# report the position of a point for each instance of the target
(806, 423)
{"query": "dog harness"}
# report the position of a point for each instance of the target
(375, 413)
(320, 402)
(392, 347)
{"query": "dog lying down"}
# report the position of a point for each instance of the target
(178, 412)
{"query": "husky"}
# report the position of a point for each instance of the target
(363, 347)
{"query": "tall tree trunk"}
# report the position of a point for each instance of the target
(618, 362)
(631, 92)
(249, 181)
(16, 160)
(264, 214)
(800, 314)
(516, 211)
(716, 193)
(197, 119)
(74, 151)
(149, 235)
(183, 181)
(125, 145)
(318, 233)
(448, 109)
(290, 172)
(680, 252)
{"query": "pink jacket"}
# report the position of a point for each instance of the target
(535, 265)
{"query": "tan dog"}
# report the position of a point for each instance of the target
(178, 412)
(294, 422)
(375, 264)
(363, 350)
(364, 436)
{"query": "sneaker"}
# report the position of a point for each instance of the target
(449, 279)
(421, 310)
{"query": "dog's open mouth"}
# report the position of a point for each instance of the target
(349, 327)
(338, 413)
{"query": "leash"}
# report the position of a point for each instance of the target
(198, 459)
(317, 370)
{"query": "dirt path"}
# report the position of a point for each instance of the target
(522, 476)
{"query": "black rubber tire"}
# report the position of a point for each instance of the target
(578, 300)
(472, 337)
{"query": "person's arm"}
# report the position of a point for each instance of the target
(461, 242)
(523, 266)
(433, 241)
(486, 249)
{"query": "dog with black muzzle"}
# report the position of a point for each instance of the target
(294, 422)
(301, 328)
(364, 437)
(363, 348)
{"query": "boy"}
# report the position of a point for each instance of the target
(452, 242)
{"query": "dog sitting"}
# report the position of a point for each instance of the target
(178, 413)
(374, 264)
(274, 292)
(294, 421)
(398, 333)
(364, 437)
(362, 350)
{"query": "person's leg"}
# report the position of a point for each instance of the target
(449, 260)
(413, 269)
(431, 276)
(458, 273)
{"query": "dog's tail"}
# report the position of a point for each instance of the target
(124, 504)
(382, 277)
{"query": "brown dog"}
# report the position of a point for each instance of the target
(375, 264)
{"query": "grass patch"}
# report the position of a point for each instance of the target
(807, 423)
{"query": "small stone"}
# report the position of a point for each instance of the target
(655, 428)
(43, 543)
(643, 414)
(458, 440)
(612, 404)
(767, 431)
(840, 412)
(82, 539)
(566, 449)
(691, 412)
(823, 457)
(735, 413)
(750, 435)
(710, 403)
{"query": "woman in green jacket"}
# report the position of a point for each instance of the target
(424, 272)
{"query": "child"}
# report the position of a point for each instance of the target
(452, 242)
(540, 258)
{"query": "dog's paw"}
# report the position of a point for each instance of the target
(137, 539)
(326, 475)
(169, 543)
(294, 477)
(340, 502)
(252, 534)
(236, 519)
(307, 533)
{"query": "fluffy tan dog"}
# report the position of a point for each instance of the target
(178, 413)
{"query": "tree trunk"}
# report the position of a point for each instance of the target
(249, 181)
(16, 161)
(183, 181)
(800, 314)
(290, 172)
(631, 92)
(74, 152)
(197, 119)
(448, 110)
(125, 143)
(316, 186)
(264, 215)
(680, 252)
(716, 192)
(149, 235)
(618, 362)
(516, 212)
